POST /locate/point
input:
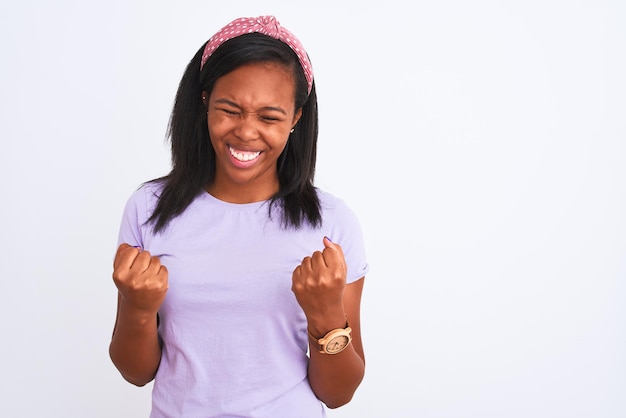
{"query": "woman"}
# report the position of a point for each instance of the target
(239, 282)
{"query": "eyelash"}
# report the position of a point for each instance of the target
(265, 118)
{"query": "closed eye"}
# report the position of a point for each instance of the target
(270, 118)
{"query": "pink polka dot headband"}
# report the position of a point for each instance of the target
(267, 25)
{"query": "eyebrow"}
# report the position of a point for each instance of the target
(266, 108)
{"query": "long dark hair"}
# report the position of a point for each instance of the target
(193, 157)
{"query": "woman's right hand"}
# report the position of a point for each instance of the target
(140, 279)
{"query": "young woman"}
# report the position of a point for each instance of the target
(239, 281)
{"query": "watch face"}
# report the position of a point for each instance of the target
(337, 344)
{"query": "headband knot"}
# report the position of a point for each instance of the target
(269, 26)
(266, 25)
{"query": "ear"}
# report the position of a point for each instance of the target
(296, 117)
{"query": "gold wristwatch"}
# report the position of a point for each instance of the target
(335, 341)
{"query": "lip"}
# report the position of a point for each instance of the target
(243, 158)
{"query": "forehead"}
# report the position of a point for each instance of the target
(256, 82)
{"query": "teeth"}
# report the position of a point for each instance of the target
(244, 155)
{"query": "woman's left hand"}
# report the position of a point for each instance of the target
(319, 283)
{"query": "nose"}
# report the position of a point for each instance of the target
(247, 129)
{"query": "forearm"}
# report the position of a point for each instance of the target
(135, 349)
(335, 377)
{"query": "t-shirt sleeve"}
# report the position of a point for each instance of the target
(133, 217)
(347, 232)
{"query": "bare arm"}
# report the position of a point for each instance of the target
(135, 348)
(335, 377)
(142, 282)
(319, 284)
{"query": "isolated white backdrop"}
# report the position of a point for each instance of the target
(482, 145)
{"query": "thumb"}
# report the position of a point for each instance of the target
(328, 243)
(333, 254)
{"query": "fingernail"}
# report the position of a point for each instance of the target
(328, 239)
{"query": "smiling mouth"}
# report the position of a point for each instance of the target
(244, 156)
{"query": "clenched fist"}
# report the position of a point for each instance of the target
(140, 278)
(319, 282)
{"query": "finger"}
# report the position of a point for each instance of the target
(163, 273)
(318, 261)
(297, 272)
(306, 265)
(153, 267)
(141, 262)
(125, 246)
(332, 245)
(125, 256)
(122, 247)
(296, 278)
(333, 254)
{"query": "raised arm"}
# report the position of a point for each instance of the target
(142, 283)
(319, 284)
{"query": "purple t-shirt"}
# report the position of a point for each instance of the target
(234, 337)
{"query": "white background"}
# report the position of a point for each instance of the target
(482, 145)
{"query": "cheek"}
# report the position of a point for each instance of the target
(280, 146)
(217, 127)
(277, 135)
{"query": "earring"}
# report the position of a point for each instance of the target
(291, 130)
